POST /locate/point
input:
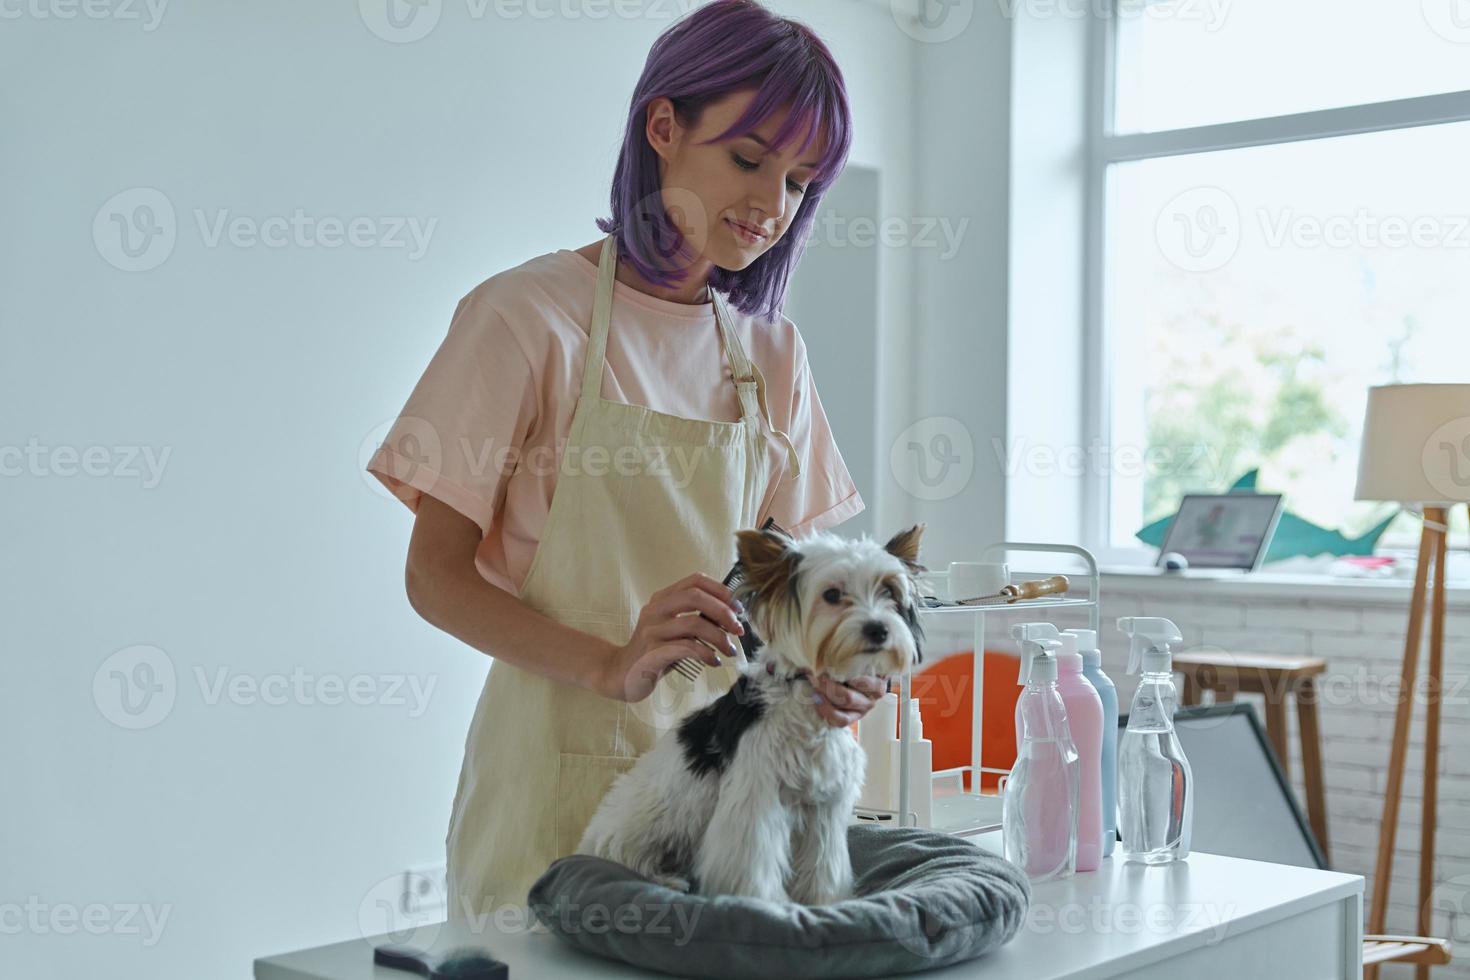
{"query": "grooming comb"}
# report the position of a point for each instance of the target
(749, 642)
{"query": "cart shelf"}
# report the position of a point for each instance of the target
(957, 810)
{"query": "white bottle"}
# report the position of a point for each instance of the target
(876, 734)
(1155, 784)
(921, 769)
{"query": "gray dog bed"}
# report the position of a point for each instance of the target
(923, 900)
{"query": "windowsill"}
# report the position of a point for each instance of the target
(1206, 583)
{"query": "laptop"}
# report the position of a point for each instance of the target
(1223, 530)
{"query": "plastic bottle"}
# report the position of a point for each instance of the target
(1085, 721)
(921, 768)
(1039, 808)
(876, 735)
(1155, 786)
(1108, 694)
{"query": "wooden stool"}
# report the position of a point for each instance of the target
(1277, 676)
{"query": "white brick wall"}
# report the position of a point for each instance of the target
(1360, 632)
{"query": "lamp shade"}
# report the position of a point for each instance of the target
(1416, 445)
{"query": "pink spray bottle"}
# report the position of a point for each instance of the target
(1039, 803)
(1085, 723)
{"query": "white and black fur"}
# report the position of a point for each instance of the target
(752, 794)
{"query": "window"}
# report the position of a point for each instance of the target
(1196, 62)
(1252, 278)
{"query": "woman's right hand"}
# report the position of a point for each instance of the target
(669, 628)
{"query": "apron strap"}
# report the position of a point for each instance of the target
(760, 388)
(744, 371)
(607, 267)
(740, 365)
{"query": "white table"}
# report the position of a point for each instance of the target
(1206, 917)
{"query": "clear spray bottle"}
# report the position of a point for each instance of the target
(1155, 786)
(1040, 804)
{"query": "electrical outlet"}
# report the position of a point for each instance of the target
(424, 893)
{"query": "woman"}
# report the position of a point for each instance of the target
(570, 456)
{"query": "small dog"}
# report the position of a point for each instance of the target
(752, 794)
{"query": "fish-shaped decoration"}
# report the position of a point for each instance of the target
(1294, 535)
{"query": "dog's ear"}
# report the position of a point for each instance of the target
(905, 547)
(768, 561)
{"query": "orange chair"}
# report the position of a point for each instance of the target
(945, 691)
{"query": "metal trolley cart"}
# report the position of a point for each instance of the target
(957, 810)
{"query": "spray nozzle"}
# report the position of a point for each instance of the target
(1039, 645)
(1151, 636)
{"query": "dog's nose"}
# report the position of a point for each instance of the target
(875, 632)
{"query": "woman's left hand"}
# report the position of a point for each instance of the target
(842, 704)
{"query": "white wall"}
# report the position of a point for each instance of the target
(264, 373)
(997, 342)
(957, 341)
(1046, 350)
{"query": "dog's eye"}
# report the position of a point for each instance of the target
(890, 592)
(834, 596)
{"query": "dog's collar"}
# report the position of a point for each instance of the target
(802, 674)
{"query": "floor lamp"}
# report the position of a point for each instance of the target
(1416, 451)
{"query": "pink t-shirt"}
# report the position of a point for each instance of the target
(486, 425)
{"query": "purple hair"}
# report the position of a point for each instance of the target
(723, 47)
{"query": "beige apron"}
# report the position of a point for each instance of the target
(643, 499)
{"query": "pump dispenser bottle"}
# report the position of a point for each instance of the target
(1085, 721)
(1039, 806)
(876, 734)
(1108, 695)
(920, 769)
(1155, 786)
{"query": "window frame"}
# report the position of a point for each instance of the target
(1106, 147)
